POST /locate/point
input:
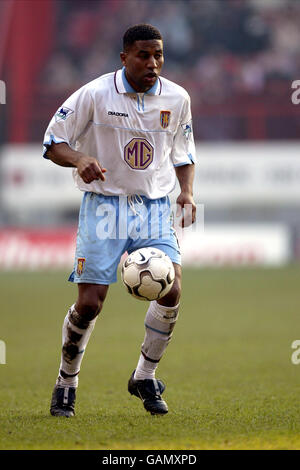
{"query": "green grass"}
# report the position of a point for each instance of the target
(230, 380)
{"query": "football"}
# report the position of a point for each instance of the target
(148, 273)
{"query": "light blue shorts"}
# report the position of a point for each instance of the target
(112, 225)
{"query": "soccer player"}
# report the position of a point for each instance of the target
(127, 135)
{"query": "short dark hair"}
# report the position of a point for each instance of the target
(140, 32)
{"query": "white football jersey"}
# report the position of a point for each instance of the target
(138, 137)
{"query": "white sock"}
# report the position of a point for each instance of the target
(159, 324)
(76, 333)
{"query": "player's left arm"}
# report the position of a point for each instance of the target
(185, 202)
(183, 157)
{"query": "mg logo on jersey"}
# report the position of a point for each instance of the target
(138, 153)
(165, 119)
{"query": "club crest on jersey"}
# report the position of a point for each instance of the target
(165, 119)
(63, 113)
(138, 153)
(80, 266)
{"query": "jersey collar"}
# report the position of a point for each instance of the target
(122, 85)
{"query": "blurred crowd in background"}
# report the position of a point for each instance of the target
(237, 58)
(220, 48)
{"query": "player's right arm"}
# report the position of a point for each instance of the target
(69, 122)
(88, 167)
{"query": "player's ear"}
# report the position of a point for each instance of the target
(123, 57)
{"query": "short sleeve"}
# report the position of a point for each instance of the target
(70, 120)
(183, 152)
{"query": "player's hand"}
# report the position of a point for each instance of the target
(89, 169)
(186, 208)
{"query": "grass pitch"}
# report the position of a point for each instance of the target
(230, 380)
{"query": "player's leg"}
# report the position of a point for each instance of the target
(160, 319)
(96, 261)
(77, 328)
(159, 325)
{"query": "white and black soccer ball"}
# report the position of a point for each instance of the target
(148, 273)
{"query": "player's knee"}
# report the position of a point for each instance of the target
(89, 308)
(90, 303)
(175, 294)
(90, 300)
(173, 297)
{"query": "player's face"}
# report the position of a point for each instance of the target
(143, 63)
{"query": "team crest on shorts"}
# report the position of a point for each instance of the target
(165, 119)
(80, 265)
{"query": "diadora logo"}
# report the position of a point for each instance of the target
(115, 113)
